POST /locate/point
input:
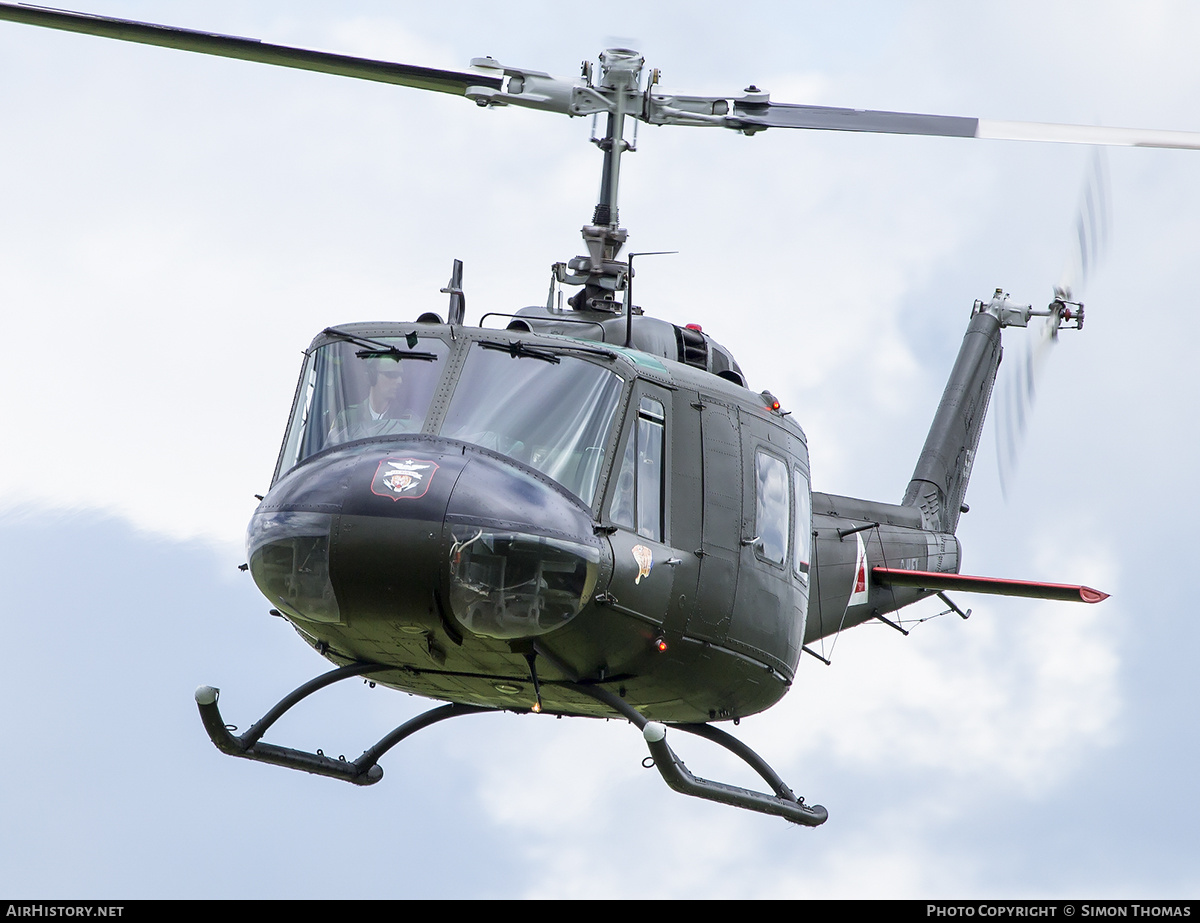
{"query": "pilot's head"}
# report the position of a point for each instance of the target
(385, 377)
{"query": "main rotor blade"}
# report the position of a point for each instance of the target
(828, 118)
(750, 116)
(250, 49)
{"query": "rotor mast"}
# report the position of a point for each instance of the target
(601, 273)
(620, 71)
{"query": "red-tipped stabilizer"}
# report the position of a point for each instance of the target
(997, 586)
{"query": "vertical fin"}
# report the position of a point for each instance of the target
(939, 482)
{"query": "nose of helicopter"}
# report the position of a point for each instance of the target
(419, 530)
(523, 557)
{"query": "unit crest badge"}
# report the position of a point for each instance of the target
(403, 478)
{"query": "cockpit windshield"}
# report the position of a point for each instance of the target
(552, 411)
(358, 388)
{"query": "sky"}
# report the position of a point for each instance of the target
(175, 229)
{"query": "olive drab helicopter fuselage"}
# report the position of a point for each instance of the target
(629, 517)
(622, 515)
(579, 509)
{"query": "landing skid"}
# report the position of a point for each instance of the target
(363, 771)
(783, 803)
(366, 769)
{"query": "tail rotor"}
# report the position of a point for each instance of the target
(1019, 386)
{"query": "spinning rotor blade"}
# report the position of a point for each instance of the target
(1019, 391)
(1091, 230)
(249, 49)
(1017, 397)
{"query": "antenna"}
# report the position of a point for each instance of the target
(458, 301)
(629, 292)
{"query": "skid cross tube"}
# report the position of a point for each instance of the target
(362, 771)
(782, 804)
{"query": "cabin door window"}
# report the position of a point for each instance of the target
(638, 498)
(803, 540)
(772, 507)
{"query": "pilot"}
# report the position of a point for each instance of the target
(382, 412)
(621, 511)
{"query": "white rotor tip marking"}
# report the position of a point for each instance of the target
(1086, 134)
(653, 732)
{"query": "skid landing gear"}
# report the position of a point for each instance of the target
(366, 769)
(363, 771)
(783, 803)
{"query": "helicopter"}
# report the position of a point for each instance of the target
(600, 552)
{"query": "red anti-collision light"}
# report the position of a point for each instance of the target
(695, 327)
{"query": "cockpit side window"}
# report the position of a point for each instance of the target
(637, 501)
(349, 391)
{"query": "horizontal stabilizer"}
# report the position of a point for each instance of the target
(997, 586)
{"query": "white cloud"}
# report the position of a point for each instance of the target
(174, 230)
